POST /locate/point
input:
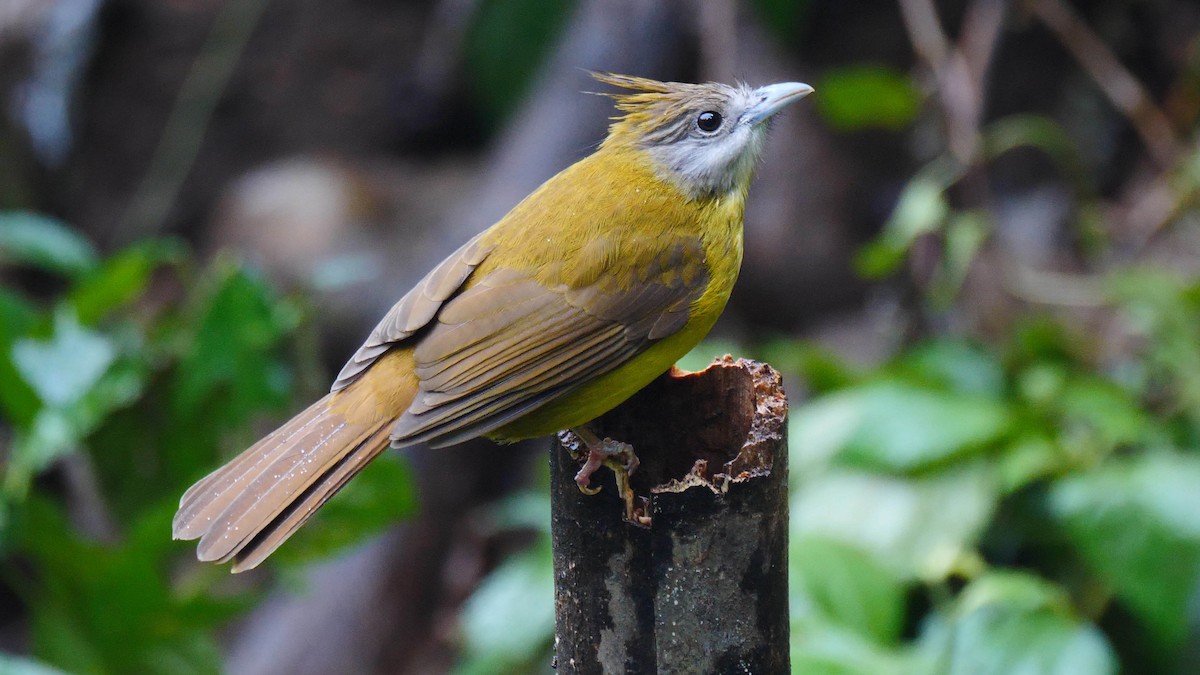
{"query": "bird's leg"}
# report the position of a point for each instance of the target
(617, 456)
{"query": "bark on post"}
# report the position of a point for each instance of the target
(704, 588)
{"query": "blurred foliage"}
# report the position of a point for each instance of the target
(507, 42)
(138, 375)
(867, 97)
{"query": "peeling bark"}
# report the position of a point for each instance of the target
(703, 589)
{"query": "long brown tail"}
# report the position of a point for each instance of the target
(244, 510)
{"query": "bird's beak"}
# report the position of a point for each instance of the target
(773, 98)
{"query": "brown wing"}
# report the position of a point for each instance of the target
(509, 344)
(416, 309)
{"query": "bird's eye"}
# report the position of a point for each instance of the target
(708, 121)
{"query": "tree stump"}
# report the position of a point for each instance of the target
(703, 588)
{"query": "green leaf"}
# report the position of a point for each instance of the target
(1043, 133)
(1028, 459)
(921, 209)
(821, 369)
(62, 370)
(1134, 521)
(702, 355)
(1012, 622)
(955, 365)
(59, 430)
(860, 97)
(896, 426)
(509, 620)
(1164, 309)
(41, 241)
(844, 585)
(16, 665)
(121, 279)
(917, 527)
(81, 587)
(1107, 412)
(825, 649)
(966, 232)
(18, 401)
(228, 373)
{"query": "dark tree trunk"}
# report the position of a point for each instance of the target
(703, 589)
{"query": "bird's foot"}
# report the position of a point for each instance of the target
(621, 460)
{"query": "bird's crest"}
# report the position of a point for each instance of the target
(648, 105)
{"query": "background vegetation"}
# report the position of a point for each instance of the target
(976, 256)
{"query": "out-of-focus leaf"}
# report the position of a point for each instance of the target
(1165, 309)
(87, 585)
(702, 355)
(1105, 410)
(73, 374)
(1027, 459)
(897, 426)
(821, 369)
(1134, 521)
(1009, 623)
(43, 242)
(16, 665)
(955, 365)
(867, 97)
(121, 278)
(226, 374)
(18, 401)
(508, 621)
(844, 585)
(383, 494)
(59, 430)
(525, 510)
(825, 649)
(1043, 133)
(966, 231)
(1040, 339)
(918, 527)
(62, 370)
(505, 45)
(920, 209)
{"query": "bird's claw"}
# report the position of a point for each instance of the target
(620, 458)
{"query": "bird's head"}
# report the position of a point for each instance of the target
(705, 138)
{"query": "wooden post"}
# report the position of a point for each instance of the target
(703, 589)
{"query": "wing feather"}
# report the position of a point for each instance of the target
(416, 309)
(509, 344)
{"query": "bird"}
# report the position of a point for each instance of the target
(587, 290)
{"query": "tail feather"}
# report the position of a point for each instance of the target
(247, 508)
(300, 510)
(210, 496)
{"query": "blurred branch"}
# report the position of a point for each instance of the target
(959, 71)
(1149, 205)
(1117, 83)
(1045, 287)
(85, 499)
(188, 121)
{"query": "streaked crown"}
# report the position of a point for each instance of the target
(706, 137)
